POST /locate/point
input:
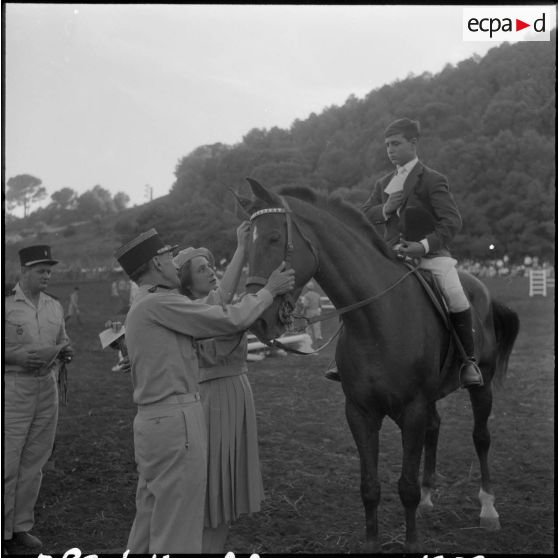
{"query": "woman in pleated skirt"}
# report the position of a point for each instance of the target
(234, 480)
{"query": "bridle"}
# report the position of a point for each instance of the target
(288, 302)
(286, 309)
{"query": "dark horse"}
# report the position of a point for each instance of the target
(394, 354)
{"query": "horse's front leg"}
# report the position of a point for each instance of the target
(430, 452)
(481, 402)
(413, 426)
(365, 429)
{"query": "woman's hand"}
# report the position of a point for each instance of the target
(243, 235)
(281, 281)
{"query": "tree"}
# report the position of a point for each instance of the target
(125, 229)
(506, 115)
(88, 204)
(64, 198)
(23, 190)
(105, 197)
(488, 125)
(99, 223)
(121, 200)
(97, 200)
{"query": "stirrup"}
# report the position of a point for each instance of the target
(473, 375)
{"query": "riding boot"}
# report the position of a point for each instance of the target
(331, 373)
(469, 373)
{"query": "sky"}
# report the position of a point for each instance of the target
(116, 95)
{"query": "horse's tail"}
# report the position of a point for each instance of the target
(506, 328)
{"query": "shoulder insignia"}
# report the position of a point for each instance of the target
(155, 287)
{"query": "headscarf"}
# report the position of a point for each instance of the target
(188, 253)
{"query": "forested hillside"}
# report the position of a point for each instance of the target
(487, 123)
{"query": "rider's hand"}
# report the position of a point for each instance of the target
(281, 281)
(393, 202)
(411, 249)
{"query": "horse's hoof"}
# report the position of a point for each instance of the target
(490, 523)
(425, 508)
(425, 504)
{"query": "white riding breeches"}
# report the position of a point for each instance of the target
(445, 274)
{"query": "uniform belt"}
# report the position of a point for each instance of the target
(217, 372)
(31, 373)
(172, 400)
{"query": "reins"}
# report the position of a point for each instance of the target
(286, 314)
(286, 210)
(288, 303)
(276, 344)
(355, 305)
(337, 312)
(256, 279)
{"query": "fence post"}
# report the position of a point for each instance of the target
(537, 282)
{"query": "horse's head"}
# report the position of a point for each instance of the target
(275, 237)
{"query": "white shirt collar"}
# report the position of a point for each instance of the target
(408, 166)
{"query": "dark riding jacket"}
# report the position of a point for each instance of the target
(428, 210)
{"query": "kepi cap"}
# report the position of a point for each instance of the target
(33, 255)
(188, 253)
(140, 250)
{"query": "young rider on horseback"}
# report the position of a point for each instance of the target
(421, 219)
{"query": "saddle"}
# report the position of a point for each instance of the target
(449, 371)
(426, 279)
(416, 223)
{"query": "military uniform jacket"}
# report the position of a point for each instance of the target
(27, 327)
(161, 328)
(425, 193)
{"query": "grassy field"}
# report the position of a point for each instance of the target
(309, 461)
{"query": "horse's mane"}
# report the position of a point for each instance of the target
(345, 211)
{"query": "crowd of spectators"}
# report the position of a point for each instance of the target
(503, 267)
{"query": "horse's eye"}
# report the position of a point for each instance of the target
(275, 237)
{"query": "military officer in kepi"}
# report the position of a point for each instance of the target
(35, 345)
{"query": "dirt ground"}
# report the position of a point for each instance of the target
(309, 461)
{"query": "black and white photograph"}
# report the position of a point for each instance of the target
(278, 279)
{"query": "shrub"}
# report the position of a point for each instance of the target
(125, 229)
(70, 230)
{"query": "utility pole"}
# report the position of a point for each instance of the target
(148, 192)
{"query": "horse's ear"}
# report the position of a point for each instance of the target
(244, 203)
(263, 193)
